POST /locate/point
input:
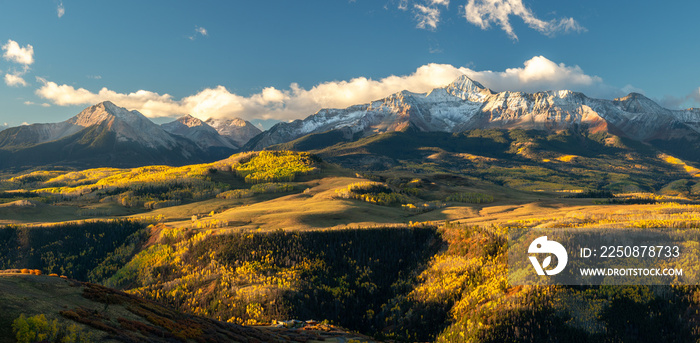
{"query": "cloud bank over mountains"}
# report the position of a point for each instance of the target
(295, 102)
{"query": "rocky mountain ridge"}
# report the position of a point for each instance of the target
(237, 130)
(199, 132)
(466, 104)
(100, 135)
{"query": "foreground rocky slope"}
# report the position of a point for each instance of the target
(98, 314)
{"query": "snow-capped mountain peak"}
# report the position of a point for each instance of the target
(464, 82)
(467, 89)
(190, 121)
(197, 131)
(105, 111)
(126, 125)
(109, 132)
(93, 115)
(187, 123)
(638, 103)
(222, 123)
(466, 104)
(235, 129)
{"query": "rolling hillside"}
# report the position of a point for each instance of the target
(279, 235)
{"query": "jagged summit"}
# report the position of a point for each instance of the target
(222, 122)
(127, 125)
(100, 135)
(466, 104)
(638, 103)
(124, 124)
(190, 121)
(464, 81)
(110, 106)
(235, 129)
(105, 111)
(186, 122)
(631, 96)
(197, 131)
(467, 89)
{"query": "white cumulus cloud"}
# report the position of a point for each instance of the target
(149, 103)
(271, 103)
(483, 13)
(15, 53)
(15, 80)
(537, 74)
(296, 102)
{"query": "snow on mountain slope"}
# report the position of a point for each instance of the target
(467, 89)
(237, 130)
(197, 131)
(127, 125)
(465, 104)
(689, 117)
(100, 135)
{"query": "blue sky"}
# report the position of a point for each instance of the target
(286, 59)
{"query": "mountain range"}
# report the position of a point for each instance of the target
(108, 135)
(466, 105)
(213, 133)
